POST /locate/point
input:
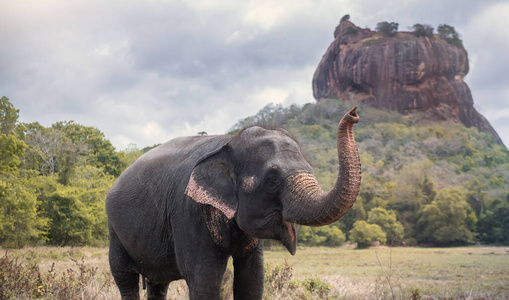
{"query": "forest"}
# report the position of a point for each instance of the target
(423, 182)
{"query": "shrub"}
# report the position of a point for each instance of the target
(423, 30)
(363, 234)
(450, 35)
(20, 281)
(448, 219)
(386, 219)
(345, 18)
(389, 29)
(351, 30)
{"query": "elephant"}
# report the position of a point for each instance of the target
(182, 209)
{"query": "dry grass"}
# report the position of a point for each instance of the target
(313, 273)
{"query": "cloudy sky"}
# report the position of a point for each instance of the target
(147, 71)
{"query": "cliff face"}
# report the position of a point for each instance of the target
(405, 73)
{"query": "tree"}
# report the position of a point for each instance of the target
(345, 18)
(90, 142)
(423, 30)
(389, 29)
(448, 220)
(386, 219)
(364, 233)
(329, 235)
(71, 223)
(450, 35)
(20, 221)
(493, 225)
(8, 116)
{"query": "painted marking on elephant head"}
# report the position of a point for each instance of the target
(248, 184)
(200, 194)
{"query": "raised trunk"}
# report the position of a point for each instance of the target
(306, 203)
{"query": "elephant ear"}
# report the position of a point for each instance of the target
(212, 182)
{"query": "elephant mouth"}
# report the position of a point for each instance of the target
(289, 237)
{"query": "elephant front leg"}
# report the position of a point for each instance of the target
(205, 279)
(249, 275)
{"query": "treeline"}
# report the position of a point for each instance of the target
(423, 182)
(447, 32)
(54, 180)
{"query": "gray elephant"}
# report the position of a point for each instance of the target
(182, 209)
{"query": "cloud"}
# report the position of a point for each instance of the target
(145, 72)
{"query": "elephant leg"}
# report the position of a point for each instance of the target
(157, 291)
(206, 284)
(248, 275)
(206, 275)
(123, 270)
(128, 284)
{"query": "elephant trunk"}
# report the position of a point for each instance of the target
(306, 203)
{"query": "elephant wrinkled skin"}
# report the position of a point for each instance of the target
(182, 209)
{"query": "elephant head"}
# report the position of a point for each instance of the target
(260, 179)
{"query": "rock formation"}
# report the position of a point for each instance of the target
(403, 72)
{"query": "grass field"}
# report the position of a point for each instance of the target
(319, 273)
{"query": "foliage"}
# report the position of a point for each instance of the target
(389, 29)
(279, 283)
(351, 30)
(423, 30)
(21, 281)
(450, 35)
(328, 235)
(415, 173)
(448, 219)
(364, 234)
(493, 225)
(386, 219)
(405, 163)
(8, 116)
(53, 182)
(344, 18)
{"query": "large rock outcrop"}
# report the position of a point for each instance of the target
(404, 72)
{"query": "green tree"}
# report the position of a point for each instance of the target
(328, 235)
(71, 222)
(450, 35)
(345, 18)
(8, 116)
(364, 234)
(448, 220)
(493, 225)
(90, 142)
(20, 222)
(423, 30)
(387, 220)
(389, 29)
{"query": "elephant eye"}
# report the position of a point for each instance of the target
(272, 183)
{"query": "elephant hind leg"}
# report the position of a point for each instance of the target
(123, 269)
(157, 291)
(128, 284)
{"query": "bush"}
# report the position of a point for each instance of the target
(363, 234)
(448, 220)
(450, 35)
(345, 18)
(386, 219)
(320, 236)
(389, 29)
(423, 30)
(19, 281)
(351, 30)
(280, 284)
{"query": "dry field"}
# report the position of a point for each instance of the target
(313, 273)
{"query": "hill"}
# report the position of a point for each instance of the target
(444, 183)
